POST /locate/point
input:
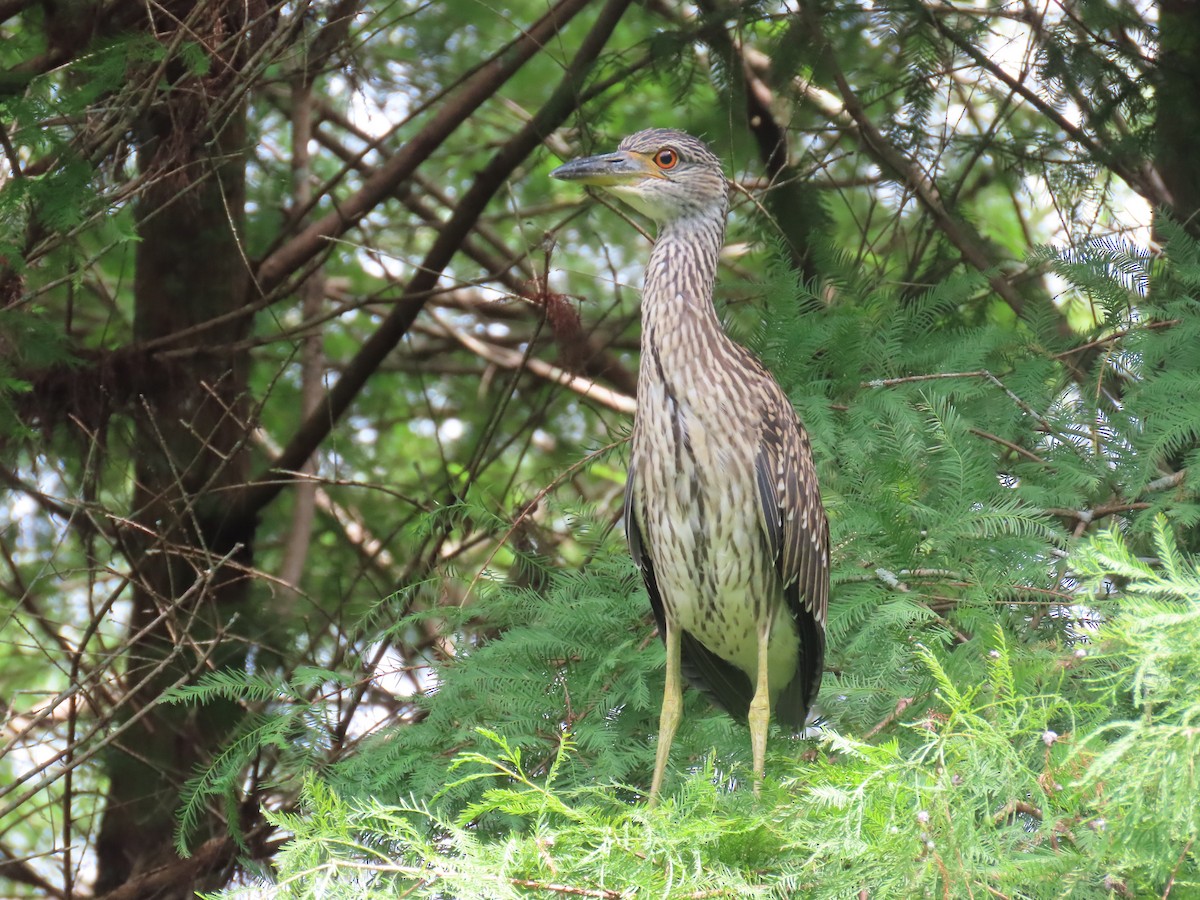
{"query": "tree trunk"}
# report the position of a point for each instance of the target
(190, 429)
(1178, 101)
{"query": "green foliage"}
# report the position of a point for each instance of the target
(573, 658)
(1011, 476)
(288, 723)
(1006, 786)
(1026, 753)
(1144, 775)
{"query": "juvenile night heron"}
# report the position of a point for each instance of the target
(722, 508)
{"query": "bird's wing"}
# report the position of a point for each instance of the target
(724, 684)
(633, 534)
(797, 534)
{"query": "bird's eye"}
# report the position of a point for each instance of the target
(666, 158)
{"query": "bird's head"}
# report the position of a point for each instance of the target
(667, 175)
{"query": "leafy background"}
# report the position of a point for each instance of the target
(314, 399)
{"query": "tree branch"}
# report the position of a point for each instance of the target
(515, 360)
(338, 399)
(1142, 178)
(887, 156)
(310, 242)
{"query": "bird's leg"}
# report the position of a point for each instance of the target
(760, 709)
(672, 711)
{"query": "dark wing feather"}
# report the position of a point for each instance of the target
(724, 684)
(797, 534)
(633, 535)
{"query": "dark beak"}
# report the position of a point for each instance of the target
(622, 167)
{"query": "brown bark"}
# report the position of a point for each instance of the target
(190, 431)
(1178, 101)
(312, 355)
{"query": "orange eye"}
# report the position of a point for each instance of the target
(666, 158)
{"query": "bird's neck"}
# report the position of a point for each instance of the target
(679, 280)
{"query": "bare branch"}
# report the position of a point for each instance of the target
(313, 240)
(397, 323)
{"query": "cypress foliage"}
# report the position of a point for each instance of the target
(422, 663)
(1010, 711)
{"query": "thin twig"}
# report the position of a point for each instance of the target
(533, 504)
(1175, 871)
(516, 360)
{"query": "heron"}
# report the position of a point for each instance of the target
(723, 512)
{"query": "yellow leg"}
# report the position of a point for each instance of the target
(760, 711)
(672, 711)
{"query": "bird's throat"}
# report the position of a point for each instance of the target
(678, 290)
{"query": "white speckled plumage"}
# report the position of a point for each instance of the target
(723, 512)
